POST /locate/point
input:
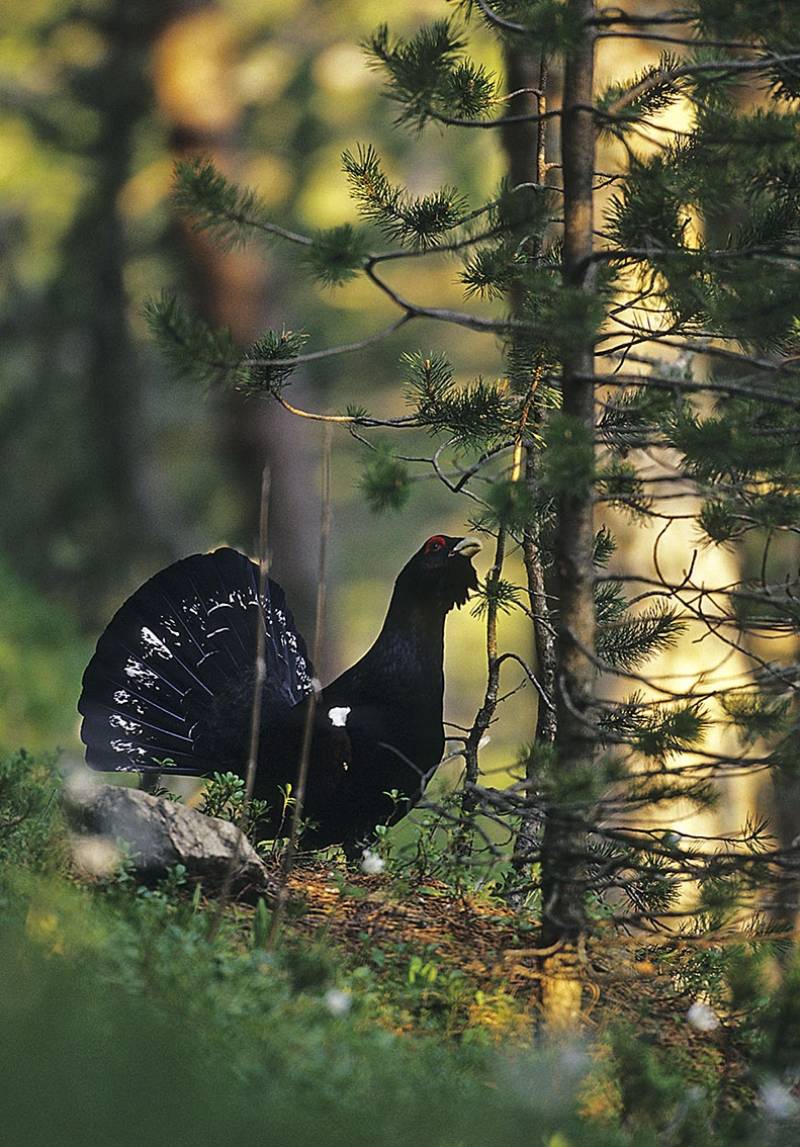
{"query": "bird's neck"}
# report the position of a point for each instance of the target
(410, 648)
(404, 667)
(415, 619)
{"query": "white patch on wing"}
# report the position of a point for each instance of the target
(338, 715)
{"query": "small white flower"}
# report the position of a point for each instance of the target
(338, 715)
(79, 785)
(777, 1101)
(372, 864)
(702, 1017)
(338, 1002)
(95, 855)
(574, 1060)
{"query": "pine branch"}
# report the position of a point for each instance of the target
(479, 413)
(229, 212)
(193, 348)
(337, 256)
(429, 75)
(385, 481)
(421, 221)
(628, 643)
(656, 88)
(269, 363)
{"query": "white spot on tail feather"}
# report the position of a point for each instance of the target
(117, 721)
(154, 643)
(128, 747)
(123, 697)
(138, 672)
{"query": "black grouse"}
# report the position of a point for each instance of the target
(170, 689)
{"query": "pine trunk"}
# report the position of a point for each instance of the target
(563, 889)
(526, 162)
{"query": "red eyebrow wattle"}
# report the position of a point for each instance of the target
(432, 541)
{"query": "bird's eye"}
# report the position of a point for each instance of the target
(434, 544)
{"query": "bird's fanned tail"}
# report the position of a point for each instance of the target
(155, 693)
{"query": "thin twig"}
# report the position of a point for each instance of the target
(255, 711)
(308, 728)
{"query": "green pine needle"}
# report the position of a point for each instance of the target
(605, 545)
(755, 714)
(477, 414)
(429, 76)
(228, 212)
(502, 594)
(620, 485)
(672, 729)
(626, 642)
(568, 460)
(421, 222)
(193, 348)
(659, 90)
(259, 375)
(385, 481)
(337, 255)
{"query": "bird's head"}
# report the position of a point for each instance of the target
(441, 571)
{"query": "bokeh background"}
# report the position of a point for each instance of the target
(110, 467)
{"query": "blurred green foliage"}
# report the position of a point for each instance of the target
(31, 829)
(110, 467)
(42, 655)
(123, 1022)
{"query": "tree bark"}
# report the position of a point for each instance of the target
(524, 146)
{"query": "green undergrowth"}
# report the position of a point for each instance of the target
(124, 1020)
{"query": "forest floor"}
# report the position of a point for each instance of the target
(393, 1009)
(473, 956)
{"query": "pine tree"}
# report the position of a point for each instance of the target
(649, 369)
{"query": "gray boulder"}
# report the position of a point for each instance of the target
(158, 834)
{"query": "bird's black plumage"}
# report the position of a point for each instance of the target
(170, 688)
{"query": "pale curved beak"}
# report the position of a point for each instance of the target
(467, 547)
